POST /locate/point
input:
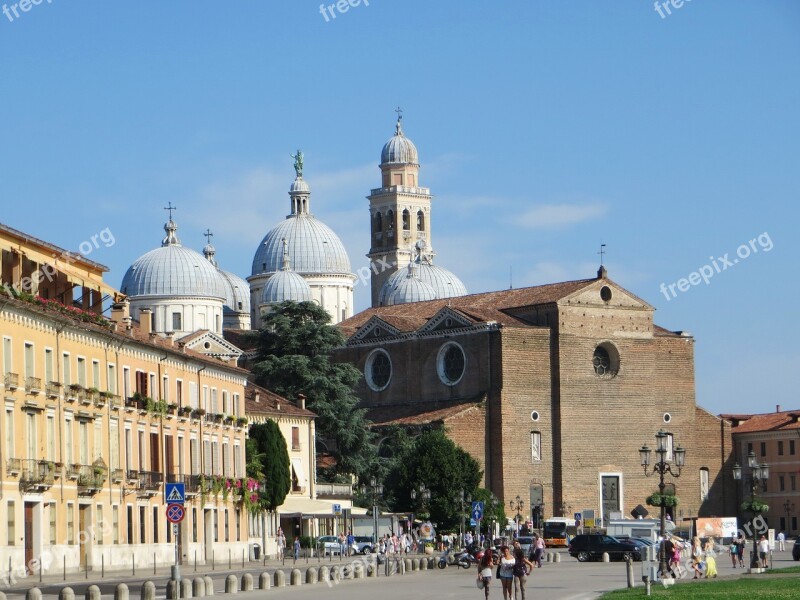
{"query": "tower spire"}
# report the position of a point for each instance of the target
(170, 228)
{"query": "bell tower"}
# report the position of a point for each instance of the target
(399, 210)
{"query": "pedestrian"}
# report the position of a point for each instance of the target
(763, 551)
(505, 571)
(709, 555)
(342, 544)
(733, 550)
(351, 543)
(281, 541)
(742, 543)
(296, 547)
(537, 547)
(781, 538)
(697, 557)
(675, 559)
(522, 568)
(668, 548)
(485, 571)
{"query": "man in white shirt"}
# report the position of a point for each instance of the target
(780, 538)
(763, 551)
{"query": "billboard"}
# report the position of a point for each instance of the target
(717, 527)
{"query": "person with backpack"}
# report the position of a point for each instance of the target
(522, 568)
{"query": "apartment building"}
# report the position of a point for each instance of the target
(97, 415)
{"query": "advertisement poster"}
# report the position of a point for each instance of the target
(717, 527)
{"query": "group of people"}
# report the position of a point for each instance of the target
(513, 567)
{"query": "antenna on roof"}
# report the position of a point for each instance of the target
(510, 277)
(602, 253)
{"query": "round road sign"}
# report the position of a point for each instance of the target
(175, 513)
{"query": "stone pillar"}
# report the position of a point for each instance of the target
(186, 588)
(35, 593)
(121, 592)
(296, 577)
(209, 585)
(148, 591)
(198, 587)
(231, 585)
(280, 578)
(247, 582)
(66, 593)
(311, 575)
(92, 593)
(264, 581)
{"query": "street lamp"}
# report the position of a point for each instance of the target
(789, 508)
(374, 490)
(662, 467)
(463, 498)
(758, 474)
(424, 495)
(517, 504)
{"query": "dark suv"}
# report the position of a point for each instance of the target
(591, 547)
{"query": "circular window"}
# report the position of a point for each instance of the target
(605, 293)
(535, 415)
(605, 360)
(378, 370)
(667, 417)
(451, 363)
(207, 345)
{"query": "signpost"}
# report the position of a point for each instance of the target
(476, 514)
(175, 496)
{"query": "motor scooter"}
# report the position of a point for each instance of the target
(448, 558)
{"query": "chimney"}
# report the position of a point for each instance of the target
(777, 408)
(301, 399)
(120, 311)
(278, 405)
(146, 320)
(170, 335)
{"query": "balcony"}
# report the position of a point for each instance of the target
(36, 475)
(33, 385)
(90, 478)
(52, 389)
(117, 475)
(13, 466)
(149, 483)
(11, 381)
(334, 490)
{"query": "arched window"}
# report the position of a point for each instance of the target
(378, 222)
(406, 220)
(390, 220)
(420, 221)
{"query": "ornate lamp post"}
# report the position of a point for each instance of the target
(424, 495)
(662, 467)
(758, 475)
(374, 491)
(517, 504)
(789, 508)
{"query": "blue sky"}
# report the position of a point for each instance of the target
(544, 129)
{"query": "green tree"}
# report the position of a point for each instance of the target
(444, 468)
(267, 448)
(294, 348)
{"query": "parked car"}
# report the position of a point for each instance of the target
(364, 544)
(525, 542)
(329, 545)
(586, 547)
(796, 549)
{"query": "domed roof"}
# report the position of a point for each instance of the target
(399, 149)
(443, 283)
(285, 285)
(237, 290)
(172, 270)
(409, 288)
(313, 247)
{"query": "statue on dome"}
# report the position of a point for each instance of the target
(298, 163)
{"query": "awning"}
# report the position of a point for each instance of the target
(313, 508)
(297, 467)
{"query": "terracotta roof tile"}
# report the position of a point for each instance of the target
(777, 421)
(269, 402)
(418, 414)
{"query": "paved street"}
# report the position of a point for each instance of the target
(568, 580)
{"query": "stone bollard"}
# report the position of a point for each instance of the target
(148, 591)
(247, 582)
(548, 557)
(336, 573)
(36, 594)
(557, 557)
(172, 590)
(372, 570)
(408, 564)
(121, 592)
(415, 564)
(324, 574)
(264, 581)
(296, 577)
(423, 565)
(311, 575)
(66, 593)
(93, 593)
(346, 572)
(431, 563)
(198, 587)
(209, 585)
(605, 557)
(186, 588)
(358, 571)
(231, 585)
(280, 578)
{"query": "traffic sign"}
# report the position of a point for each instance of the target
(337, 509)
(175, 513)
(477, 511)
(175, 493)
(577, 516)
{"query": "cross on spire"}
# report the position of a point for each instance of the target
(170, 208)
(208, 235)
(399, 112)
(602, 253)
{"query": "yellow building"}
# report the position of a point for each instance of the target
(97, 415)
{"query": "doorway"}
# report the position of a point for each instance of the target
(83, 541)
(28, 537)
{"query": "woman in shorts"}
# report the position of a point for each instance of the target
(505, 571)
(485, 570)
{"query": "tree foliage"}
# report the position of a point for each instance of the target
(294, 348)
(267, 449)
(445, 469)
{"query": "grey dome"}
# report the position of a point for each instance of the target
(313, 247)
(409, 288)
(172, 270)
(399, 149)
(237, 296)
(285, 285)
(443, 282)
(299, 186)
